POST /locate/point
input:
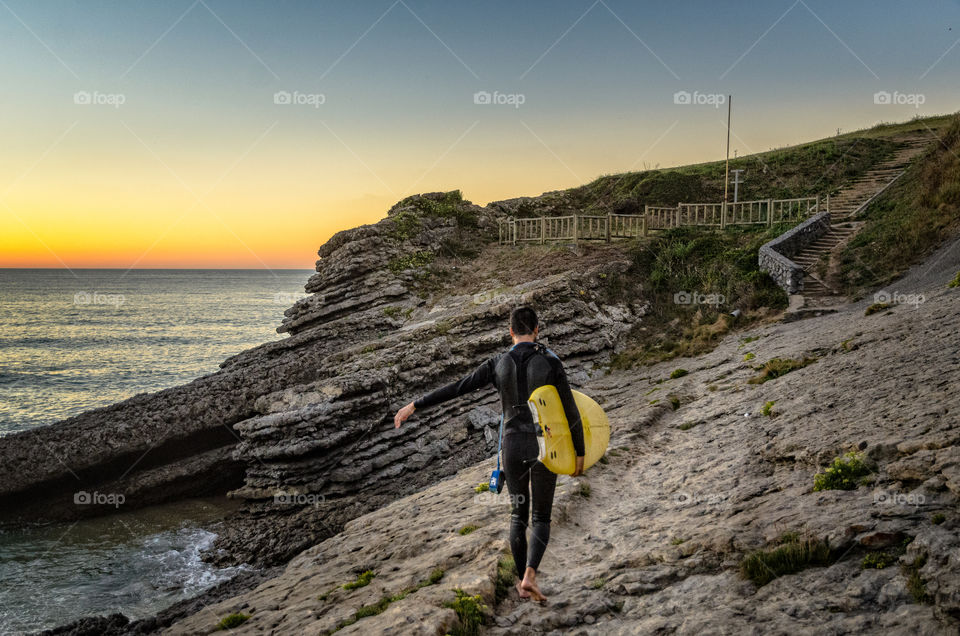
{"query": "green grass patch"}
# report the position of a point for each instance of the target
(790, 557)
(955, 282)
(748, 356)
(878, 560)
(482, 487)
(767, 409)
(777, 367)
(416, 260)
(677, 541)
(232, 620)
(938, 518)
(465, 530)
(678, 373)
(584, 489)
(915, 583)
(470, 610)
(686, 426)
(506, 577)
(703, 261)
(362, 581)
(598, 583)
(845, 473)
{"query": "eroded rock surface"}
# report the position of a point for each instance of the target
(654, 543)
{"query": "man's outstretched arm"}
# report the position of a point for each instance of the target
(479, 378)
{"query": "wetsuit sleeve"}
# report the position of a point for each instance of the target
(479, 378)
(569, 407)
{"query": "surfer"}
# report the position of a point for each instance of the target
(527, 366)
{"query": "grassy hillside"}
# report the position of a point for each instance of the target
(909, 220)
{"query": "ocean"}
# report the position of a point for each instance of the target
(72, 341)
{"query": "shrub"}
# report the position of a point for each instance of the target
(877, 560)
(843, 474)
(678, 373)
(768, 409)
(471, 612)
(915, 583)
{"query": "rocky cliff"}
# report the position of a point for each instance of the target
(705, 469)
(301, 428)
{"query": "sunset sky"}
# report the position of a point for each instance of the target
(148, 134)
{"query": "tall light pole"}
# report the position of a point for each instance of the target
(726, 176)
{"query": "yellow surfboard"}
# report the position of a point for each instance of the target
(556, 445)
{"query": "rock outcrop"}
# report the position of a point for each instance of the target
(301, 429)
(699, 475)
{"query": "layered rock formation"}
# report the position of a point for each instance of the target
(698, 477)
(301, 428)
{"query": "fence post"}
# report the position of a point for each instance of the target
(723, 215)
(828, 202)
(575, 229)
(543, 230)
(676, 217)
(769, 212)
(818, 204)
(609, 219)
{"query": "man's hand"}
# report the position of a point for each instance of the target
(579, 469)
(406, 412)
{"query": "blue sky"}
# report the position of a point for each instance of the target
(397, 79)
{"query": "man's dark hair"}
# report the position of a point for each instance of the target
(523, 320)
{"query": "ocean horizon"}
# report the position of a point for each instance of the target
(74, 340)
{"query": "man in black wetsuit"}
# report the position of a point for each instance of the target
(527, 366)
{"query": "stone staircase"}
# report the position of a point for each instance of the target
(816, 258)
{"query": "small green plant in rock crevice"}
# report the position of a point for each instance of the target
(506, 577)
(470, 610)
(362, 581)
(678, 373)
(768, 409)
(232, 620)
(465, 530)
(955, 282)
(845, 473)
(875, 308)
(777, 367)
(915, 583)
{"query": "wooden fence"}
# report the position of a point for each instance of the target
(578, 227)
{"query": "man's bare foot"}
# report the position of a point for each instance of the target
(523, 593)
(529, 583)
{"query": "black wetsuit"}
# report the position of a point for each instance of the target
(516, 374)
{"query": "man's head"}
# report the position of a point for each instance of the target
(524, 324)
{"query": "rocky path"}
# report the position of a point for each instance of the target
(817, 258)
(651, 541)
